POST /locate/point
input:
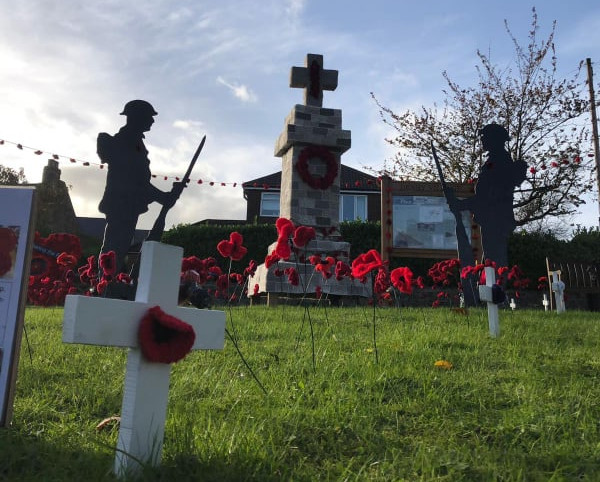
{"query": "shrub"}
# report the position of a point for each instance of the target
(529, 251)
(201, 240)
(585, 245)
(362, 236)
(526, 249)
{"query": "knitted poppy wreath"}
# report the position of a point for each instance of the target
(325, 155)
(164, 338)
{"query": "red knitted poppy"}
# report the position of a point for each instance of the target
(164, 338)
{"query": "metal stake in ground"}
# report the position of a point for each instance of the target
(486, 293)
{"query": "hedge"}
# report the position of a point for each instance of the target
(201, 240)
(528, 250)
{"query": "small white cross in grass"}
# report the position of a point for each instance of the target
(112, 322)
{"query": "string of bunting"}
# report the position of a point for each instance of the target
(72, 160)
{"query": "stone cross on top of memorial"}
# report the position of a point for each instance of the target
(314, 79)
(311, 146)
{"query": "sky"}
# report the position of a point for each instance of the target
(221, 69)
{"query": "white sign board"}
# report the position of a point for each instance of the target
(16, 237)
(424, 222)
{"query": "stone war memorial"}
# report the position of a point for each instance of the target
(311, 146)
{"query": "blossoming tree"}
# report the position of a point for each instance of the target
(541, 111)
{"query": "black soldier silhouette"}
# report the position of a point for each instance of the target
(492, 204)
(128, 190)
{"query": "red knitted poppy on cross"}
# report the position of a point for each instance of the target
(164, 338)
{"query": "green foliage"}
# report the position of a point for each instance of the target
(519, 407)
(12, 177)
(362, 236)
(585, 246)
(526, 249)
(202, 240)
(529, 250)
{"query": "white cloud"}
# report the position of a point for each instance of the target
(242, 92)
(187, 125)
(295, 7)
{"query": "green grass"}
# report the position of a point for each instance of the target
(524, 406)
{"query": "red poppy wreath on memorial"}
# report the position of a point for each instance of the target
(325, 155)
(164, 338)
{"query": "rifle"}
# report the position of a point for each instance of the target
(159, 225)
(465, 250)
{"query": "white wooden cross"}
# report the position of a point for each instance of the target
(512, 304)
(314, 79)
(545, 302)
(558, 287)
(112, 322)
(485, 294)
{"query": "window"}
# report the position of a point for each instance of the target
(269, 204)
(353, 207)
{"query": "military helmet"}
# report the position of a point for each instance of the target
(495, 131)
(138, 107)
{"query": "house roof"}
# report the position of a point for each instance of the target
(351, 180)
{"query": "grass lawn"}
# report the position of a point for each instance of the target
(522, 407)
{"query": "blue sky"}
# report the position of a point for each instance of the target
(222, 69)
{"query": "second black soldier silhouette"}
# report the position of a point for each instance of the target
(128, 190)
(492, 204)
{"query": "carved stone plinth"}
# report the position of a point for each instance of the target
(311, 146)
(310, 280)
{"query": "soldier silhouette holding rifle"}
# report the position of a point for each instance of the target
(492, 204)
(128, 190)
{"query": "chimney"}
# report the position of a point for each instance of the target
(51, 174)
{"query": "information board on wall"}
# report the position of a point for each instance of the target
(416, 221)
(424, 222)
(16, 226)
